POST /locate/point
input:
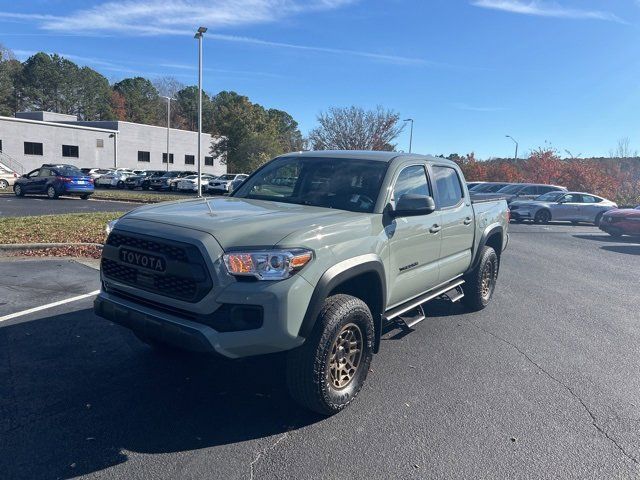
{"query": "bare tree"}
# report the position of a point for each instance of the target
(623, 149)
(168, 86)
(353, 128)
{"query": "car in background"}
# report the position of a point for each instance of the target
(520, 191)
(168, 179)
(7, 179)
(572, 207)
(624, 221)
(471, 185)
(488, 187)
(142, 179)
(114, 179)
(222, 184)
(235, 184)
(54, 181)
(96, 173)
(190, 182)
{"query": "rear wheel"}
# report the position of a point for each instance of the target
(481, 282)
(328, 371)
(17, 189)
(3, 184)
(51, 192)
(543, 216)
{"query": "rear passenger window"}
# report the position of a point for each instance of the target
(448, 187)
(411, 181)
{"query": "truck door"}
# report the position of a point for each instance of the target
(414, 242)
(457, 221)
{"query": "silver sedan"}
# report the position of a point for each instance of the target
(573, 207)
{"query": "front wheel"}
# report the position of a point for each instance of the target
(84, 196)
(543, 216)
(481, 282)
(51, 192)
(598, 219)
(328, 371)
(3, 184)
(17, 190)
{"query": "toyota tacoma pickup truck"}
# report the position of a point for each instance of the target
(316, 254)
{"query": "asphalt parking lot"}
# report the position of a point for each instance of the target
(545, 383)
(11, 206)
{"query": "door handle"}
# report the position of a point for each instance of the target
(435, 228)
(467, 221)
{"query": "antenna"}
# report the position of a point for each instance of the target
(206, 200)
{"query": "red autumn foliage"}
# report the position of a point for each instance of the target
(613, 178)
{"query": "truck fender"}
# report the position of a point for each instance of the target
(492, 229)
(335, 276)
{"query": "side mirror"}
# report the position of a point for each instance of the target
(413, 205)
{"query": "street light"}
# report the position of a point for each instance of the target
(411, 133)
(168, 125)
(514, 141)
(199, 34)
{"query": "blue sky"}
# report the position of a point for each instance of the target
(565, 72)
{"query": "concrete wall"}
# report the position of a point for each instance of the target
(132, 137)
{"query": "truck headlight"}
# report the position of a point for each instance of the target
(267, 264)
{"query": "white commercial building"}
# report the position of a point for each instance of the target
(32, 138)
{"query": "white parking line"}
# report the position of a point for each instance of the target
(49, 305)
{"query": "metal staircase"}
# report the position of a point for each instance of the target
(10, 164)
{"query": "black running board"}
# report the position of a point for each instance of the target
(411, 313)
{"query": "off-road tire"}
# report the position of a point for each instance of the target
(308, 367)
(476, 293)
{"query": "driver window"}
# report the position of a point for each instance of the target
(570, 199)
(412, 180)
(33, 174)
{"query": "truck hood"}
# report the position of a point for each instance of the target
(239, 222)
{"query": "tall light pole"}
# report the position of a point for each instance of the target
(199, 34)
(168, 125)
(514, 141)
(411, 133)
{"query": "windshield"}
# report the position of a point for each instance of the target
(511, 189)
(345, 184)
(550, 197)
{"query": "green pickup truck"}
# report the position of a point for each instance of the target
(316, 254)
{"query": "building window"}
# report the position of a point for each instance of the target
(32, 148)
(144, 156)
(208, 161)
(100, 143)
(164, 158)
(189, 159)
(70, 151)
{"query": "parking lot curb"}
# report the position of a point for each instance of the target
(19, 247)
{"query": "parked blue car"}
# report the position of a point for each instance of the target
(53, 181)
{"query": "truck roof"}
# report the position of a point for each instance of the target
(364, 155)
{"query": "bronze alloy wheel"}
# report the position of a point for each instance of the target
(345, 356)
(488, 280)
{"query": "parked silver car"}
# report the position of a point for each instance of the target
(519, 191)
(573, 207)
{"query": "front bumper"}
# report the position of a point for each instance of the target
(522, 215)
(283, 305)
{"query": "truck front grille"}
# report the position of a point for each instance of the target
(185, 277)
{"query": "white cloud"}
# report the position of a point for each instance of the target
(546, 9)
(160, 17)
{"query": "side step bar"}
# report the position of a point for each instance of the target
(410, 314)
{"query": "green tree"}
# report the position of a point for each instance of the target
(187, 106)
(50, 83)
(10, 70)
(141, 100)
(289, 135)
(94, 96)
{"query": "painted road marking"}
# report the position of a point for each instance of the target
(49, 305)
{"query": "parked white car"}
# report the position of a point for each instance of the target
(114, 179)
(572, 207)
(222, 184)
(7, 179)
(190, 183)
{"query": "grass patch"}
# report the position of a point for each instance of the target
(68, 228)
(137, 196)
